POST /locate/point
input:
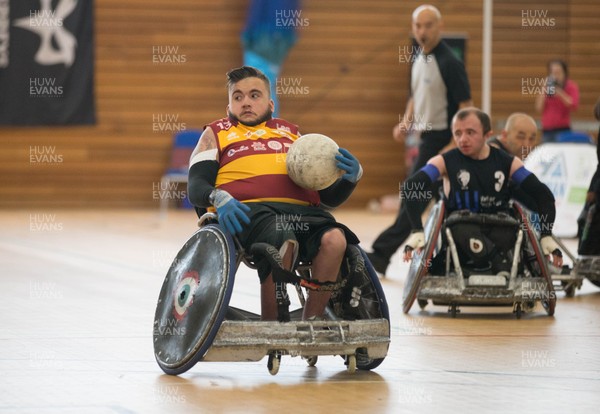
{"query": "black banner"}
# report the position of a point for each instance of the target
(46, 62)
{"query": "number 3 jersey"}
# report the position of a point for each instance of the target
(252, 162)
(480, 186)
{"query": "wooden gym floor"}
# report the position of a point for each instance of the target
(77, 296)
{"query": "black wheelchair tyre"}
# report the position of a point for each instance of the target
(537, 265)
(188, 316)
(372, 305)
(419, 265)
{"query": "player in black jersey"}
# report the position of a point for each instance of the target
(476, 177)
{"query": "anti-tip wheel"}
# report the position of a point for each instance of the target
(518, 311)
(569, 289)
(351, 362)
(312, 360)
(273, 363)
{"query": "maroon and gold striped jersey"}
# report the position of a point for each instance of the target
(252, 162)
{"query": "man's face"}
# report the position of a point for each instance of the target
(426, 30)
(520, 138)
(468, 135)
(249, 101)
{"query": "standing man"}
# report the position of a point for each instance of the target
(439, 88)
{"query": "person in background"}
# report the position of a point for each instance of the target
(561, 97)
(518, 136)
(476, 177)
(439, 88)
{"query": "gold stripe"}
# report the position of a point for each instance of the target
(277, 200)
(246, 167)
(268, 200)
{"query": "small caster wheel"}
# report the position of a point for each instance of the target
(422, 303)
(312, 360)
(518, 311)
(453, 310)
(569, 289)
(273, 363)
(351, 363)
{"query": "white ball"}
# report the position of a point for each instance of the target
(311, 162)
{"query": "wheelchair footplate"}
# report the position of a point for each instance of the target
(588, 267)
(584, 267)
(252, 340)
(484, 291)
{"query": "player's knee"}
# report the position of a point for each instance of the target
(333, 242)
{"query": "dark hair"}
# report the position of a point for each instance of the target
(237, 74)
(560, 62)
(484, 118)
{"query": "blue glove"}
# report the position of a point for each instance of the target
(350, 164)
(230, 210)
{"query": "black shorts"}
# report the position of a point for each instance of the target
(274, 223)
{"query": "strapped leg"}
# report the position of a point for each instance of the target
(274, 298)
(325, 268)
(289, 254)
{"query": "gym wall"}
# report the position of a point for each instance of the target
(348, 64)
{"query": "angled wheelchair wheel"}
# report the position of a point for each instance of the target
(361, 299)
(194, 299)
(588, 266)
(595, 282)
(419, 264)
(537, 265)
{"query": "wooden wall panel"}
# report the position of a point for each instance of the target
(347, 57)
(522, 49)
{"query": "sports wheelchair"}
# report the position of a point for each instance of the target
(194, 321)
(586, 265)
(515, 276)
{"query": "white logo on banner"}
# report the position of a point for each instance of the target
(48, 25)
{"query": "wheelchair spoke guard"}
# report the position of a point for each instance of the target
(421, 260)
(373, 305)
(194, 299)
(541, 268)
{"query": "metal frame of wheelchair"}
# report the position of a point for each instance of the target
(206, 328)
(570, 279)
(521, 291)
